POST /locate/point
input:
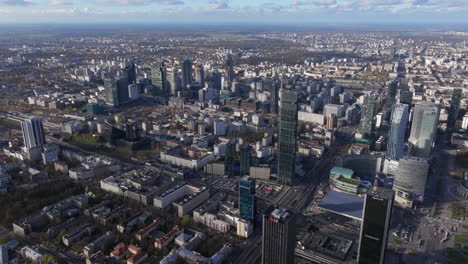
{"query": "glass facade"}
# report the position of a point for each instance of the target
(287, 137)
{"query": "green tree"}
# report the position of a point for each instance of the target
(186, 220)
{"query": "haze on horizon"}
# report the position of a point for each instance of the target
(235, 11)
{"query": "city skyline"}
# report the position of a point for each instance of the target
(300, 12)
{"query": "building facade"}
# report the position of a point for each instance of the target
(287, 136)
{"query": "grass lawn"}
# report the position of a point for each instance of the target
(455, 257)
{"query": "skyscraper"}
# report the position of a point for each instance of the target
(200, 75)
(245, 158)
(186, 73)
(4, 258)
(378, 205)
(158, 76)
(454, 108)
(367, 116)
(33, 132)
(173, 80)
(130, 72)
(396, 138)
(247, 199)
(287, 136)
(406, 97)
(424, 127)
(279, 236)
(111, 92)
(122, 87)
(229, 67)
(229, 157)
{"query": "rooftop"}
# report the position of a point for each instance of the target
(343, 204)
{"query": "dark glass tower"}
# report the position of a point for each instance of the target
(229, 64)
(229, 157)
(279, 236)
(130, 73)
(186, 73)
(396, 137)
(200, 75)
(454, 108)
(287, 136)
(245, 158)
(158, 76)
(247, 199)
(274, 94)
(111, 92)
(378, 205)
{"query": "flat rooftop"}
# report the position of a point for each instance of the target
(343, 204)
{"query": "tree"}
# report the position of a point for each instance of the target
(186, 220)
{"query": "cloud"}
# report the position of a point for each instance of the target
(219, 4)
(60, 2)
(16, 2)
(318, 3)
(140, 2)
(66, 11)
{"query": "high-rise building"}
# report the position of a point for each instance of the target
(368, 112)
(174, 82)
(396, 138)
(279, 236)
(230, 157)
(406, 97)
(410, 181)
(200, 75)
(216, 78)
(130, 73)
(33, 133)
(245, 159)
(158, 76)
(287, 136)
(186, 73)
(111, 92)
(229, 67)
(122, 87)
(392, 91)
(4, 258)
(424, 127)
(378, 205)
(454, 108)
(247, 199)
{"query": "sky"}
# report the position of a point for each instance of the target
(235, 11)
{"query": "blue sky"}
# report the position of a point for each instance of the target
(231, 11)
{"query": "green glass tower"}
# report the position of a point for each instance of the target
(229, 157)
(287, 136)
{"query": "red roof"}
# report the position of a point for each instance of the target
(120, 249)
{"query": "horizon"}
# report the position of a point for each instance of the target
(339, 12)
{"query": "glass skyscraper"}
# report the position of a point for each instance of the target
(158, 76)
(287, 136)
(247, 199)
(378, 205)
(279, 236)
(245, 158)
(186, 73)
(396, 138)
(424, 127)
(367, 116)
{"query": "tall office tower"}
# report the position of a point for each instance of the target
(173, 79)
(130, 72)
(111, 91)
(287, 136)
(229, 67)
(33, 132)
(247, 199)
(278, 236)
(406, 97)
(396, 138)
(274, 94)
(378, 205)
(200, 75)
(122, 87)
(424, 127)
(186, 73)
(4, 258)
(230, 157)
(245, 159)
(454, 108)
(410, 181)
(392, 91)
(158, 76)
(217, 80)
(367, 116)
